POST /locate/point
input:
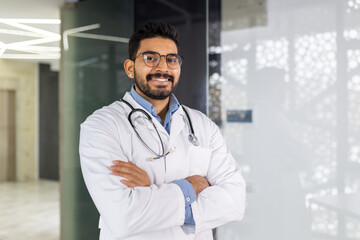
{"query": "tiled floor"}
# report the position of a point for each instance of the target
(29, 211)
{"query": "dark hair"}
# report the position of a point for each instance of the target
(151, 30)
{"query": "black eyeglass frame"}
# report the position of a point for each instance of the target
(181, 58)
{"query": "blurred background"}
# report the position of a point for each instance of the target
(280, 77)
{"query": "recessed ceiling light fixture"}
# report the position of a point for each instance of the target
(30, 49)
(33, 48)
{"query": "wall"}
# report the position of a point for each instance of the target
(22, 78)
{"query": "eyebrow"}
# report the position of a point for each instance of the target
(159, 53)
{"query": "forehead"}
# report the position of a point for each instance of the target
(158, 44)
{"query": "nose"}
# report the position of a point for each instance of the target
(162, 64)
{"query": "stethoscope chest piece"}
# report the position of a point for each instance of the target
(194, 140)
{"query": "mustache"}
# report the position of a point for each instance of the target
(159, 75)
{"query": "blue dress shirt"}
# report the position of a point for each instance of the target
(185, 186)
(173, 107)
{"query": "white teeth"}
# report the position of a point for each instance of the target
(160, 79)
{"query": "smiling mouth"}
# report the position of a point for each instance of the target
(161, 77)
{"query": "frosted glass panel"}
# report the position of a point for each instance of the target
(297, 70)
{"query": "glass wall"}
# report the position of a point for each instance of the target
(95, 35)
(287, 91)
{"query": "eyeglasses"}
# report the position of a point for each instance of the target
(152, 59)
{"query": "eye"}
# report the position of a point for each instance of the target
(172, 59)
(151, 57)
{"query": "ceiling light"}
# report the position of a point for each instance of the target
(30, 56)
(36, 21)
(28, 28)
(20, 33)
(32, 46)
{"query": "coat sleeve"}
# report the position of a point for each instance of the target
(224, 200)
(125, 211)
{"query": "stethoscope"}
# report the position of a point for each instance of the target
(192, 138)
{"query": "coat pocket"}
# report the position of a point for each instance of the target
(199, 160)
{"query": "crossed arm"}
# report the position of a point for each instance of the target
(126, 210)
(136, 177)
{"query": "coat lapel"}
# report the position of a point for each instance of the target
(177, 125)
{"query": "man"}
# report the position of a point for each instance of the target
(156, 169)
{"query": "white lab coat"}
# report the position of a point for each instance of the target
(158, 211)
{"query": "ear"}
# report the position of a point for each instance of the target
(129, 68)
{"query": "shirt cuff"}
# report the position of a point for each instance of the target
(188, 191)
(189, 196)
(189, 219)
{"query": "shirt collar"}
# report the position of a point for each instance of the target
(173, 103)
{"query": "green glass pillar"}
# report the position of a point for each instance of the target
(94, 48)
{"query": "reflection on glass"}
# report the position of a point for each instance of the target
(352, 228)
(353, 59)
(237, 70)
(273, 53)
(315, 65)
(352, 34)
(303, 179)
(323, 220)
(353, 5)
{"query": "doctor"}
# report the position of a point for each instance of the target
(154, 168)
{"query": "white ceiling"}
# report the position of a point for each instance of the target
(30, 9)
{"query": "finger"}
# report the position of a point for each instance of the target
(128, 177)
(140, 180)
(127, 168)
(121, 173)
(128, 173)
(116, 173)
(130, 166)
(129, 184)
(135, 182)
(118, 162)
(133, 172)
(120, 169)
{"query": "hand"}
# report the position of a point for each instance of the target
(136, 177)
(199, 183)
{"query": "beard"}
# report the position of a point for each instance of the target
(159, 92)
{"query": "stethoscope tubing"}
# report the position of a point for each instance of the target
(192, 138)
